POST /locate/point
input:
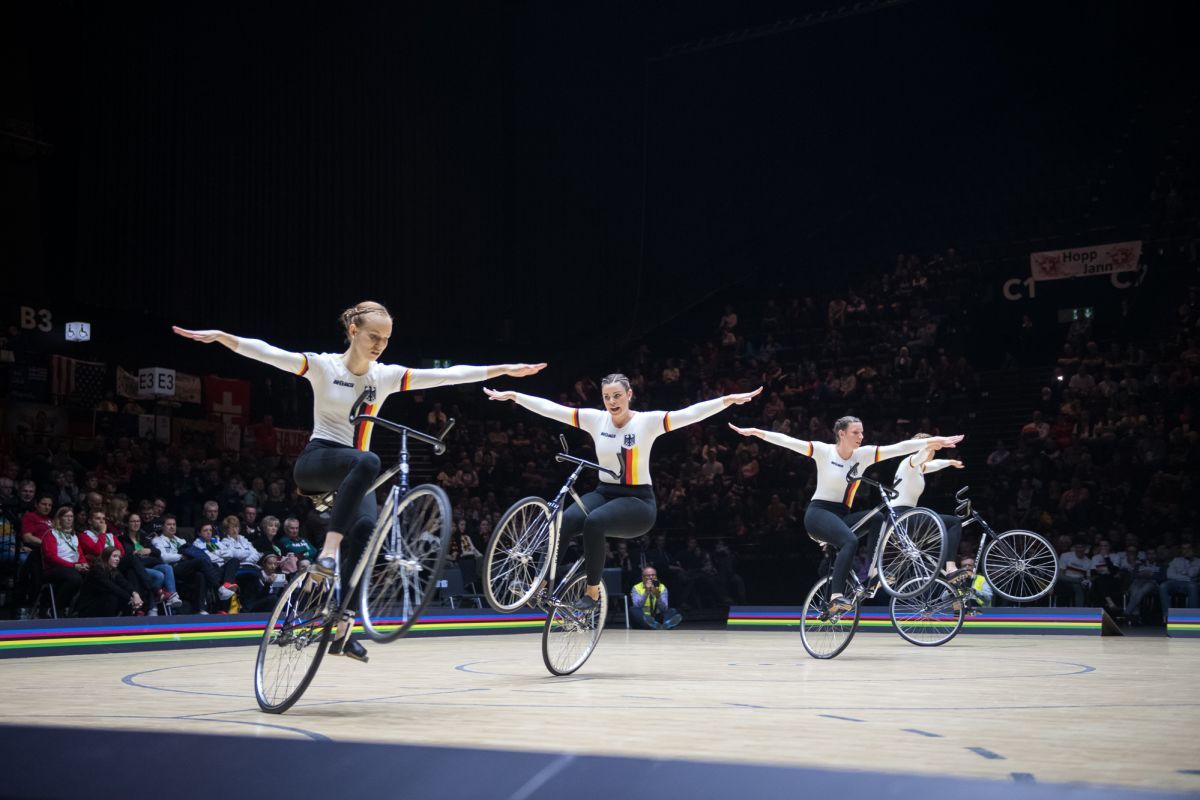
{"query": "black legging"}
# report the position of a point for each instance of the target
(830, 523)
(953, 532)
(326, 466)
(617, 512)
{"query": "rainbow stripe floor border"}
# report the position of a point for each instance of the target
(1014, 620)
(1183, 623)
(126, 634)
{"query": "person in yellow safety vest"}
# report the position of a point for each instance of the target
(983, 590)
(651, 603)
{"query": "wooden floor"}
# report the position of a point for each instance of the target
(1121, 711)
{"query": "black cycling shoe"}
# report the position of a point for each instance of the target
(585, 603)
(841, 604)
(323, 567)
(958, 576)
(350, 648)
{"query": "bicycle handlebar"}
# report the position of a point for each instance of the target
(887, 491)
(583, 463)
(368, 395)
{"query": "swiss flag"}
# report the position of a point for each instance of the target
(227, 399)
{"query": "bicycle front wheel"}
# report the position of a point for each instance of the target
(825, 635)
(930, 617)
(293, 643)
(1020, 565)
(405, 559)
(912, 552)
(570, 636)
(518, 555)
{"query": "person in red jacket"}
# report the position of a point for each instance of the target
(63, 561)
(36, 524)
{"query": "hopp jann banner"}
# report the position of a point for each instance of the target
(1084, 262)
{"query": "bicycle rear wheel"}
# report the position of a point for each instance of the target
(570, 636)
(1020, 565)
(518, 555)
(912, 552)
(825, 635)
(406, 557)
(929, 617)
(293, 643)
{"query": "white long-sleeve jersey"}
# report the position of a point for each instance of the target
(832, 469)
(624, 450)
(912, 478)
(336, 389)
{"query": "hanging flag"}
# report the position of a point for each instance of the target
(77, 383)
(227, 399)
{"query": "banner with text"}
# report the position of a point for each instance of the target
(1084, 262)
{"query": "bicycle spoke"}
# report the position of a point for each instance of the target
(406, 559)
(1020, 565)
(570, 635)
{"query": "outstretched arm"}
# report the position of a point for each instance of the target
(799, 445)
(563, 414)
(913, 445)
(933, 465)
(686, 416)
(413, 379)
(295, 363)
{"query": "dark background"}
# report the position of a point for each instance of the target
(542, 180)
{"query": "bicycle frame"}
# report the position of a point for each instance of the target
(968, 514)
(886, 495)
(396, 493)
(556, 514)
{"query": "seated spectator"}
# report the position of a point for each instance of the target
(190, 565)
(208, 545)
(135, 548)
(260, 589)
(651, 603)
(1182, 573)
(1074, 570)
(105, 592)
(249, 521)
(466, 546)
(234, 546)
(63, 563)
(1138, 574)
(97, 537)
(36, 523)
(1106, 583)
(293, 542)
(984, 594)
(265, 542)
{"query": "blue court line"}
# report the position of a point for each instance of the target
(744, 705)
(835, 716)
(923, 733)
(985, 753)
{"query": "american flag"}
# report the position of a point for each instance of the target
(77, 383)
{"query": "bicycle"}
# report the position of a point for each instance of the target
(407, 553)
(1020, 566)
(908, 558)
(521, 564)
